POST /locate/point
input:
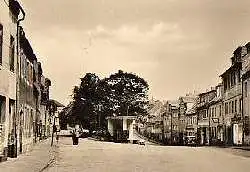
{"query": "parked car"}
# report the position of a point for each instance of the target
(65, 133)
(191, 141)
(141, 142)
(84, 133)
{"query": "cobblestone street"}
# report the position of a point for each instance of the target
(97, 156)
(41, 156)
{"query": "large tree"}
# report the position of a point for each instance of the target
(85, 100)
(128, 94)
(120, 94)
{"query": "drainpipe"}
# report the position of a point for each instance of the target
(18, 76)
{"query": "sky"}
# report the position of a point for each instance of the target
(177, 46)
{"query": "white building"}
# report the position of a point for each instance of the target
(9, 13)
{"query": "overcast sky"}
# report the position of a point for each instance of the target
(178, 46)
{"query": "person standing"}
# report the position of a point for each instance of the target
(74, 137)
(77, 136)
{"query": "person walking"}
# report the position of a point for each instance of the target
(75, 137)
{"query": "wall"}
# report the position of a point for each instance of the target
(7, 77)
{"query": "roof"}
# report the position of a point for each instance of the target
(174, 103)
(232, 68)
(58, 104)
(215, 100)
(207, 92)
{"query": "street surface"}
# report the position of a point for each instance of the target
(41, 156)
(97, 156)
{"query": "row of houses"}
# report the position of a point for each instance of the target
(25, 108)
(219, 116)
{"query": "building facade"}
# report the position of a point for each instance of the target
(24, 96)
(233, 100)
(203, 105)
(246, 94)
(9, 13)
(216, 118)
(191, 125)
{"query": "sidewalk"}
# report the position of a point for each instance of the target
(41, 156)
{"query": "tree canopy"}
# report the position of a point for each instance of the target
(120, 94)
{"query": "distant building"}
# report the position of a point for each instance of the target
(175, 119)
(203, 105)
(55, 108)
(191, 123)
(215, 113)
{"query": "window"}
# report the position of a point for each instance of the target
(204, 114)
(240, 105)
(220, 110)
(2, 109)
(245, 90)
(1, 43)
(12, 52)
(232, 110)
(235, 106)
(27, 71)
(226, 108)
(11, 112)
(230, 107)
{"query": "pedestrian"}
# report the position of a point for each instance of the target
(77, 136)
(57, 137)
(74, 137)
